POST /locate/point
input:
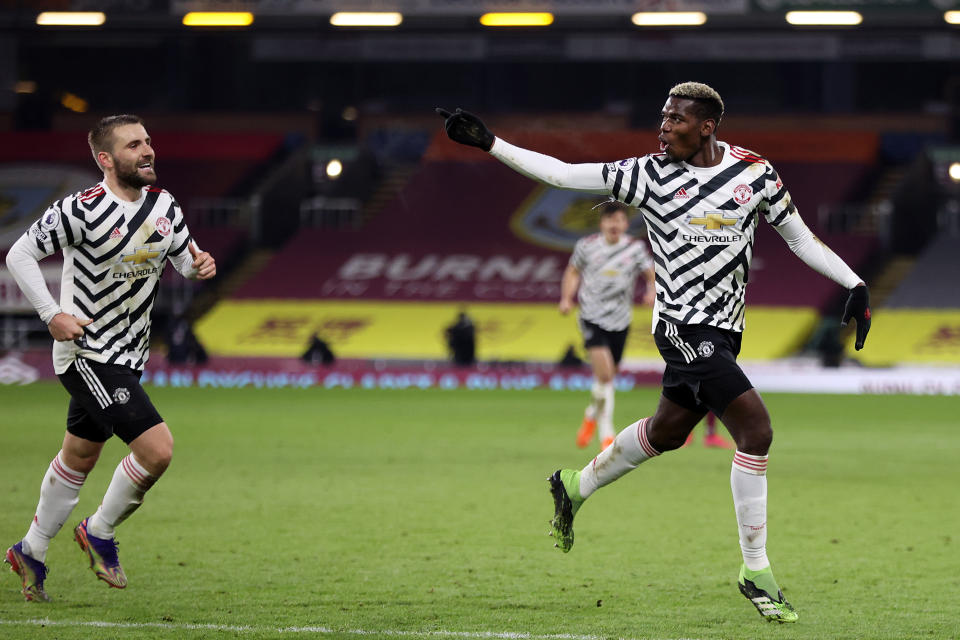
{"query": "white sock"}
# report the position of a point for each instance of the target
(58, 496)
(124, 495)
(629, 449)
(748, 481)
(605, 422)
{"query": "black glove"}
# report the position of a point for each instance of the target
(858, 308)
(466, 128)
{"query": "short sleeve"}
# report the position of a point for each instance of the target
(777, 204)
(58, 227)
(623, 180)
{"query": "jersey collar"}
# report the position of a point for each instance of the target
(725, 162)
(121, 201)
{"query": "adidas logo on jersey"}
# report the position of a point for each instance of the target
(115, 233)
(681, 194)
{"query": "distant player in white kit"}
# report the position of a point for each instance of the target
(602, 273)
(702, 200)
(116, 238)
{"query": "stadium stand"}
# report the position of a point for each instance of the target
(932, 284)
(920, 320)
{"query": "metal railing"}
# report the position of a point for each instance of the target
(15, 330)
(862, 219)
(239, 213)
(321, 212)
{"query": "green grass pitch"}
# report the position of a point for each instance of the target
(417, 513)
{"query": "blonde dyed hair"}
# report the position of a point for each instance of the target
(709, 104)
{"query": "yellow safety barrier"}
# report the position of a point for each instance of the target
(505, 331)
(929, 336)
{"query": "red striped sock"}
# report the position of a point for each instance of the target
(644, 442)
(124, 496)
(757, 465)
(630, 449)
(68, 476)
(58, 496)
(748, 482)
(138, 475)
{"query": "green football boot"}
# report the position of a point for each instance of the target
(759, 587)
(565, 488)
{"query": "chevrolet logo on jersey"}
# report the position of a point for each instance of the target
(142, 254)
(714, 221)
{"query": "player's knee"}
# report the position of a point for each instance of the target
(604, 377)
(80, 462)
(164, 456)
(157, 457)
(758, 438)
(79, 459)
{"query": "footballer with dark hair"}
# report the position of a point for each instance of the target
(702, 200)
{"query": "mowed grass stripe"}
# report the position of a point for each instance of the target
(314, 630)
(427, 510)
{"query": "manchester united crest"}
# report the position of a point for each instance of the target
(163, 226)
(121, 395)
(742, 193)
(705, 349)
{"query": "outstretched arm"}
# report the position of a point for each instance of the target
(586, 177)
(468, 129)
(817, 255)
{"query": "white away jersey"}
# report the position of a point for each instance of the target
(701, 224)
(114, 253)
(608, 275)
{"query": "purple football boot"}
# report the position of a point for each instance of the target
(103, 556)
(32, 573)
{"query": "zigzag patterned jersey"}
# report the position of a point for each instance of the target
(114, 252)
(701, 223)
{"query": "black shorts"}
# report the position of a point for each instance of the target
(596, 336)
(106, 400)
(702, 371)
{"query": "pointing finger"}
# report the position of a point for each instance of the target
(443, 112)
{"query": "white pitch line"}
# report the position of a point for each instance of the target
(315, 630)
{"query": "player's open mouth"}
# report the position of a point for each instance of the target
(146, 165)
(663, 145)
